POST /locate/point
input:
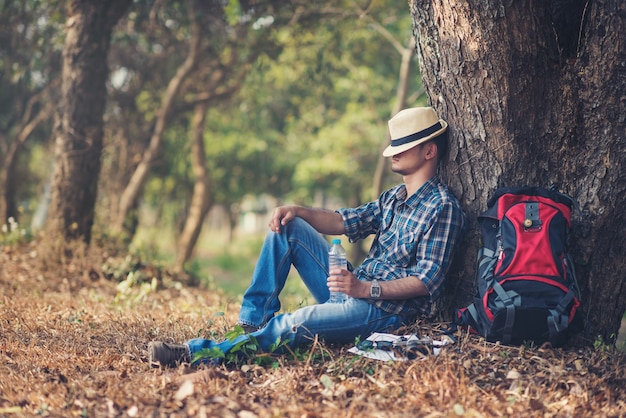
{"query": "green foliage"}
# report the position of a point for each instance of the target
(242, 159)
(335, 151)
(119, 270)
(135, 288)
(245, 351)
(328, 95)
(232, 11)
(135, 279)
(227, 265)
(304, 118)
(600, 345)
(12, 234)
(32, 40)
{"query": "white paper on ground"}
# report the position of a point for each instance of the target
(391, 355)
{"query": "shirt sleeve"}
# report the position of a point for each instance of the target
(362, 221)
(436, 248)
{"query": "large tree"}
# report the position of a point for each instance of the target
(535, 95)
(78, 144)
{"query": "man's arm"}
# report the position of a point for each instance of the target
(324, 221)
(434, 255)
(404, 288)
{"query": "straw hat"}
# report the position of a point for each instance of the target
(411, 127)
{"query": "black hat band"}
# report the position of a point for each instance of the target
(416, 136)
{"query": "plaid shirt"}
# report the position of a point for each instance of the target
(415, 236)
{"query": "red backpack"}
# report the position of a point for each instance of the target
(526, 286)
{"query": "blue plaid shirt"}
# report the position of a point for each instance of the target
(415, 236)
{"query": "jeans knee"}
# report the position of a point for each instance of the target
(296, 225)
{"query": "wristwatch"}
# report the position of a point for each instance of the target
(375, 290)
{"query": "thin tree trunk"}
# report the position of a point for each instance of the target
(402, 93)
(201, 198)
(533, 101)
(8, 180)
(138, 178)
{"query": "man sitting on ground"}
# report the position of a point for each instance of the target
(418, 226)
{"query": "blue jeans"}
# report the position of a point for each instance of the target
(302, 246)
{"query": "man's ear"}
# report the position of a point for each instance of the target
(431, 150)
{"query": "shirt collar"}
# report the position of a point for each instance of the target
(420, 194)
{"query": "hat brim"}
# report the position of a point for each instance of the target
(390, 151)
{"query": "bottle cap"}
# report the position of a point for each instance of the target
(336, 241)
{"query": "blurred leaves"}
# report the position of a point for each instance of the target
(299, 98)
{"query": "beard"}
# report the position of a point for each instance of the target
(400, 171)
(396, 168)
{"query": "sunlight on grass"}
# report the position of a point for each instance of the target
(216, 261)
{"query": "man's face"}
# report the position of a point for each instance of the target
(409, 161)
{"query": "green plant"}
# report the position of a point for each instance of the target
(600, 345)
(13, 235)
(114, 268)
(135, 288)
(245, 351)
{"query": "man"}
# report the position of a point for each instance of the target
(417, 225)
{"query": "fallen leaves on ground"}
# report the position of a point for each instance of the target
(71, 346)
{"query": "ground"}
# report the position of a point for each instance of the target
(74, 330)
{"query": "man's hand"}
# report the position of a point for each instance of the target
(342, 280)
(281, 216)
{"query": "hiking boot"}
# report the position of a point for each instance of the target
(167, 355)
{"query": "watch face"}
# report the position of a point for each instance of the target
(375, 290)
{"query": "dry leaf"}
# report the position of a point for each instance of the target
(513, 374)
(185, 390)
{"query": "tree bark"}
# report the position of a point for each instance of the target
(201, 198)
(79, 131)
(534, 93)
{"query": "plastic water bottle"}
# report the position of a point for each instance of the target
(337, 259)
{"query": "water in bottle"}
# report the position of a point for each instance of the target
(337, 259)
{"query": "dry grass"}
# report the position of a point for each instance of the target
(72, 344)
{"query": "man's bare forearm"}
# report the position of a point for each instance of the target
(398, 289)
(405, 288)
(324, 221)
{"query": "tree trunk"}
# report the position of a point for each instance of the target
(402, 93)
(79, 132)
(535, 95)
(8, 177)
(133, 189)
(201, 199)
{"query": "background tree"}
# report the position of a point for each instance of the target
(534, 94)
(201, 199)
(29, 67)
(223, 40)
(80, 125)
(297, 97)
(324, 102)
(407, 57)
(276, 81)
